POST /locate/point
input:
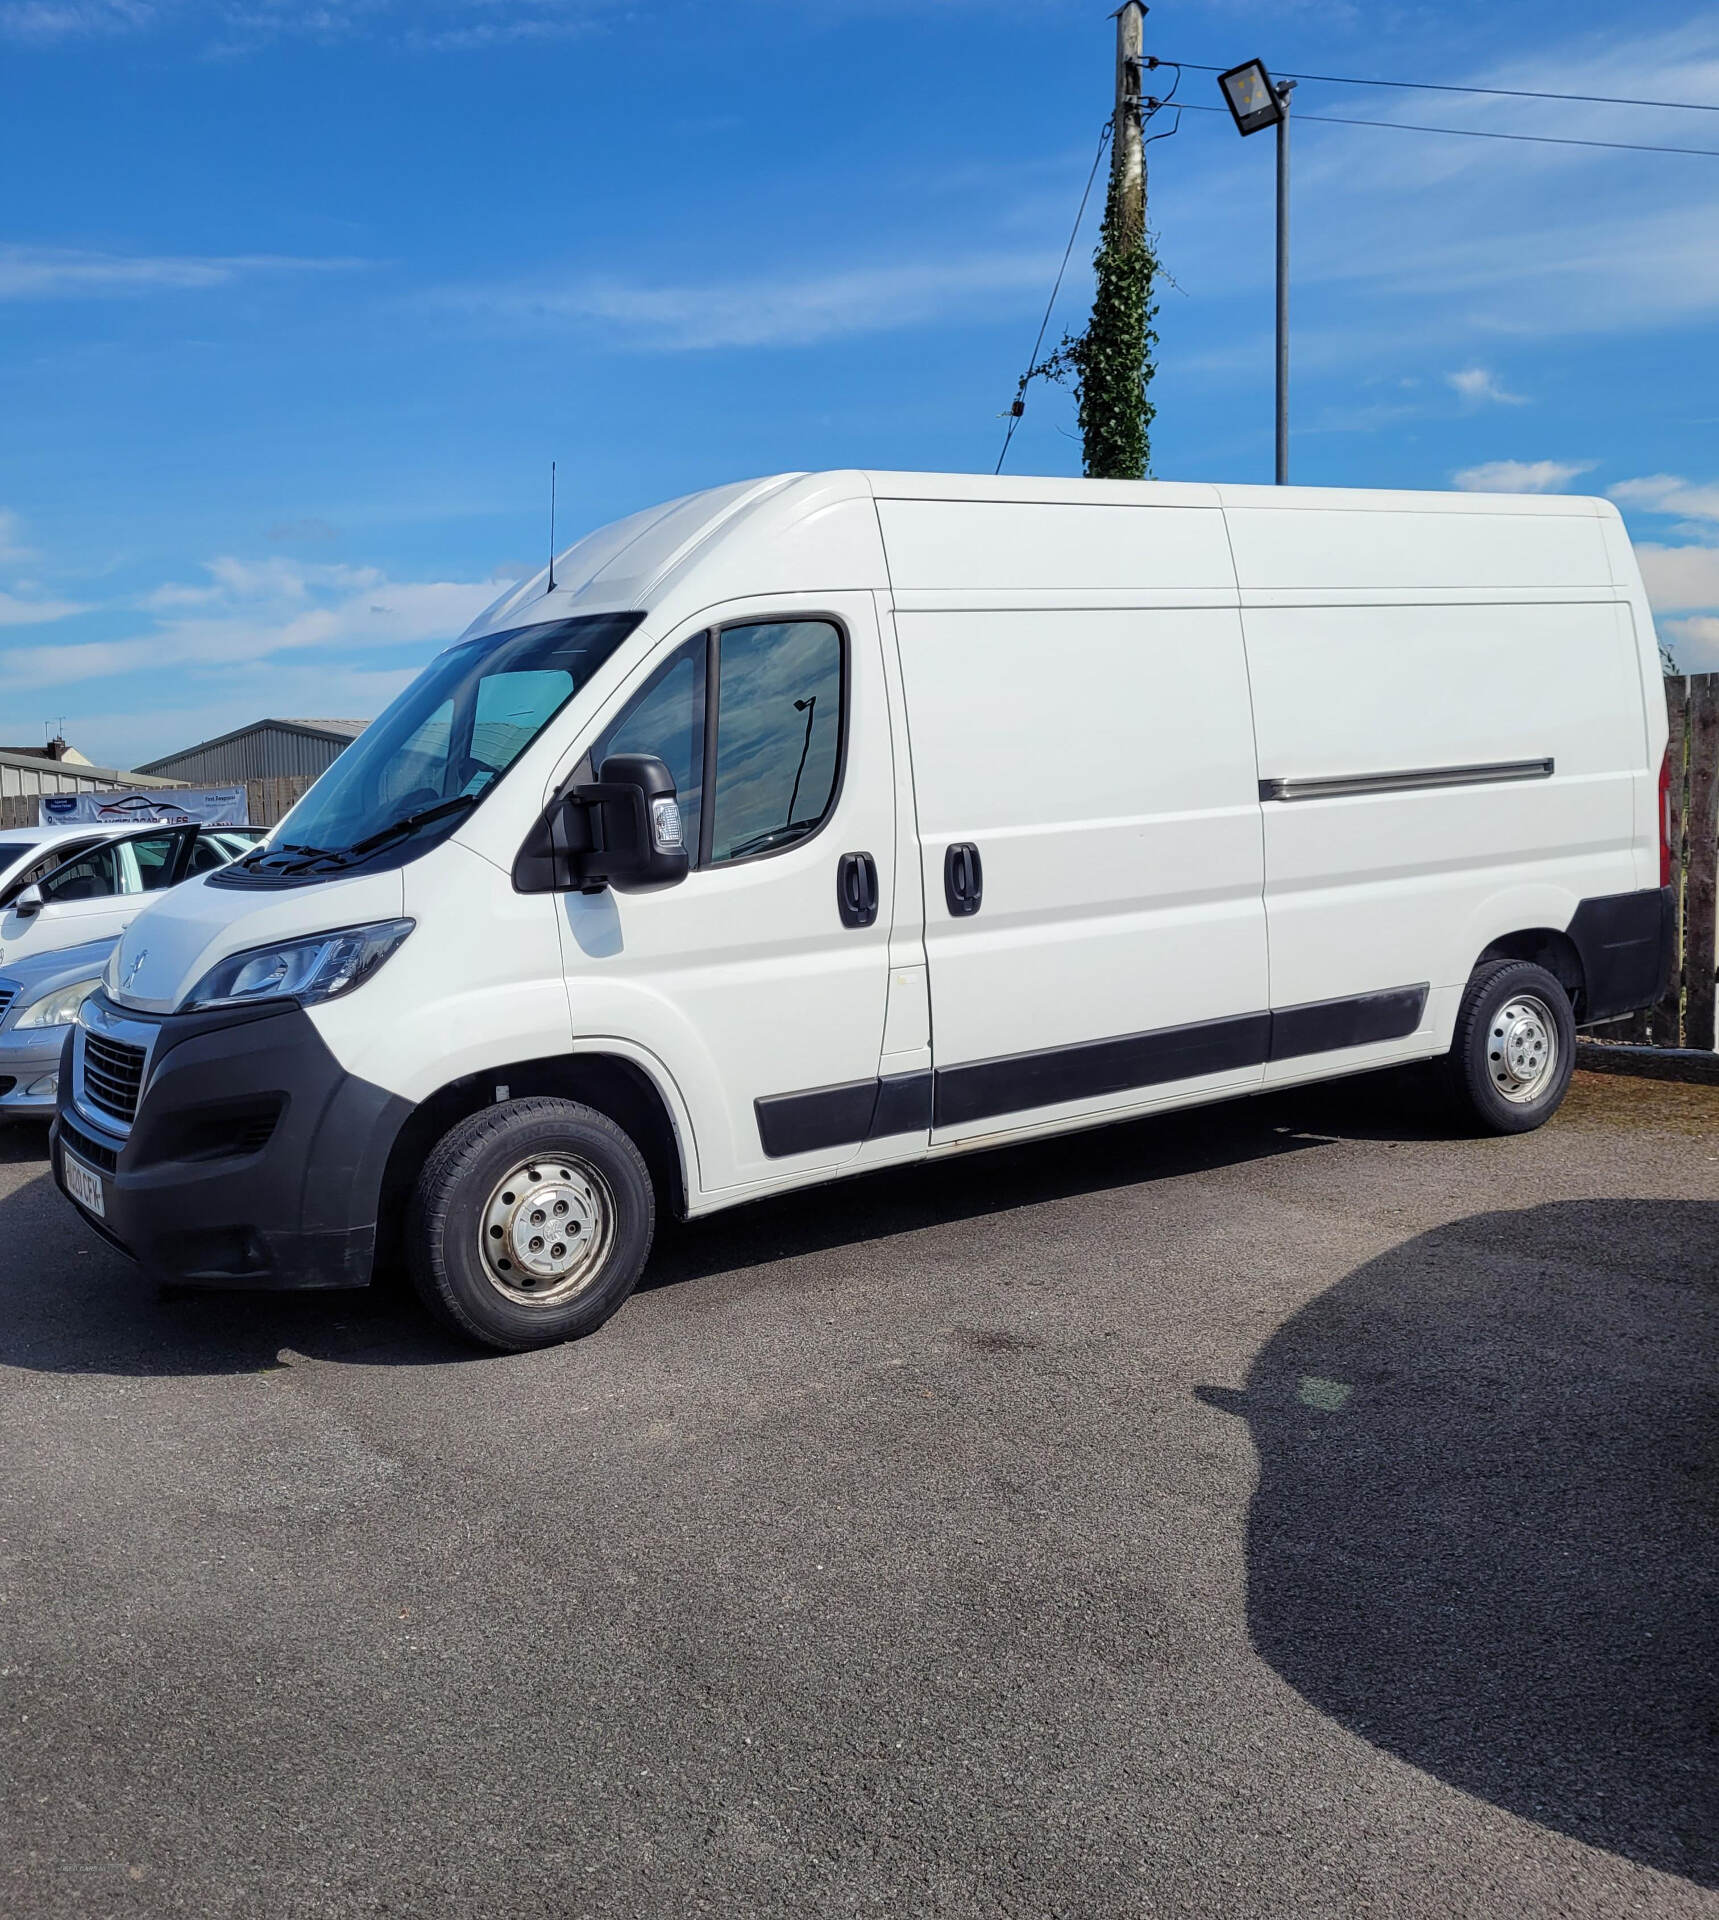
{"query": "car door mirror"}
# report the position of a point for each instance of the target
(29, 902)
(624, 831)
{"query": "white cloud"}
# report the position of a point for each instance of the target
(779, 310)
(1521, 476)
(1696, 643)
(241, 24)
(257, 610)
(49, 20)
(1479, 386)
(18, 612)
(1667, 493)
(1679, 579)
(64, 273)
(12, 546)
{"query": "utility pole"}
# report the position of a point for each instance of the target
(1110, 362)
(1284, 89)
(1129, 148)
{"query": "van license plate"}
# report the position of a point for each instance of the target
(83, 1184)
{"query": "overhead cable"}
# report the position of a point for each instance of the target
(1019, 406)
(1474, 133)
(1446, 86)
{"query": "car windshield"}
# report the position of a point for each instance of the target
(412, 775)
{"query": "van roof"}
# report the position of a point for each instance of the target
(628, 563)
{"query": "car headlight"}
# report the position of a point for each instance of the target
(319, 968)
(59, 1009)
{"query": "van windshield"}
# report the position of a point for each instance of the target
(413, 774)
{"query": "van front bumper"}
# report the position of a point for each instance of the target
(254, 1158)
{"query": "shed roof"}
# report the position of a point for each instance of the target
(344, 731)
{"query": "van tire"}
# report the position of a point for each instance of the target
(489, 1178)
(1514, 1049)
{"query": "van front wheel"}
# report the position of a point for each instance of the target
(530, 1223)
(1515, 1046)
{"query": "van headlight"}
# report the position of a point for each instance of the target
(57, 1009)
(319, 968)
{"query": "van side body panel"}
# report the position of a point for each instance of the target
(1478, 666)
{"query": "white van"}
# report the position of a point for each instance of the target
(840, 820)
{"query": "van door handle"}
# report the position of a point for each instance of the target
(856, 889)
(963, 878)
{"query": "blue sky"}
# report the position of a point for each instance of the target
(298, 301)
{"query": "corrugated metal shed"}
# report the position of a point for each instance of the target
(265, 750)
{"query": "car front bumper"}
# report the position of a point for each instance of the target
(30, 1070)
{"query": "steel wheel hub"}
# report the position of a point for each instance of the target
(547, 1230)
(1522, 1048)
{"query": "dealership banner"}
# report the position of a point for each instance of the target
(147, 807)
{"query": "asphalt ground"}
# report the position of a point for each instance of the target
(1288, 1508)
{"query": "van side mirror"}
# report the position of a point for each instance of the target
(625, 832)
(29, 902)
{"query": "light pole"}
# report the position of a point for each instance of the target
(1255, 100)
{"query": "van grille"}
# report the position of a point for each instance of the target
(113, 1075)
(87, 1149)
(8, 993)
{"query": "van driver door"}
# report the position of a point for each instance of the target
(760, 981)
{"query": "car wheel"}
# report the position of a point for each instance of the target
(530, 1223)
(1514, 1048)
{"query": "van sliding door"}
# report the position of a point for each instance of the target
(1090, 842)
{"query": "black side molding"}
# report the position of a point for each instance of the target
(843, 1116)
(1019, 1082)
(1325, 1026)
(1627, 942)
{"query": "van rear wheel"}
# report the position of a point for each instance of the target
(530, 1223)
(1515, 1046)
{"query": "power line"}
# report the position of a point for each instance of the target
(1476, 133)
(1019, 407)
(1444, 86)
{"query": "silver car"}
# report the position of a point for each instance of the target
(39, 1001)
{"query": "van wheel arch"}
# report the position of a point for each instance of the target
(616, 1087)
(1544, 947)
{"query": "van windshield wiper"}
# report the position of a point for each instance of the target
(395, 829)
(258, 854)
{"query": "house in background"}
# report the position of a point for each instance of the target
(26, 773)
(265, 750)
(56, 750)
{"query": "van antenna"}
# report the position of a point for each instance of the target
(551, 586)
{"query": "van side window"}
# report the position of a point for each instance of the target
(778, 735)
(666, 718)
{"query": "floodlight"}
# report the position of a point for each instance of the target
(1251, 97)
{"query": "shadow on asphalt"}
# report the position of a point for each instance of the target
(1484, 1533)
(70, 1304)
